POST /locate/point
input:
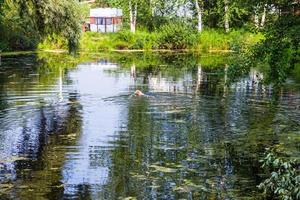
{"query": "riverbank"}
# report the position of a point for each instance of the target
(180, 40)
(11, 53)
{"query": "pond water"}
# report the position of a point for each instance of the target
(71, 128)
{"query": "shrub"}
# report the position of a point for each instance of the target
(240, 40)
(138, 40)
(284, 178)
(54, 42)
(176, 36)
(125, 36)
(212, 40)
(4, 46)
(170, 36)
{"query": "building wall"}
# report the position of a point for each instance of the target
(105, 24)
(101, 28)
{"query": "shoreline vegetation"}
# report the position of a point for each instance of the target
(185, 40)
(63, 51)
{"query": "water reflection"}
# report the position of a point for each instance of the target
(73, 131)
(88, 161)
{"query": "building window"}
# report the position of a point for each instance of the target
(108, 21)
(100, 21)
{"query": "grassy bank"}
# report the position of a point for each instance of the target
(167, 38)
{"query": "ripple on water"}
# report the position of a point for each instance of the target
(83, 133)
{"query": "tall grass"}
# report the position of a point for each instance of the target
(53, 42)
(168, 37)
(236, 40)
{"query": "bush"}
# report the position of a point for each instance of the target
(54, 42)
(138, 40)
(176, 36)
(212, 40)
(240, 40)
(4, 46)
(284, 178)
(125, 36)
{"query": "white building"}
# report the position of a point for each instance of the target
(105, 20)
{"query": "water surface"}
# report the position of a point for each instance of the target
(71, 129)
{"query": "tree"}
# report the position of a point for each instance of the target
(102, 3)
(263, 17)
(132, 15)
(40, 18)
(199, 9)
(259, 11)
(280, 48)
(130, 10)
(226, 15)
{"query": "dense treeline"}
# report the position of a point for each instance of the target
(24, 23)
(201, 14)
(278, 20)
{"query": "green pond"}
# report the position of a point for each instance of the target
(71, 128)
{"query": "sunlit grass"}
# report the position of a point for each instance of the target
(209, 40)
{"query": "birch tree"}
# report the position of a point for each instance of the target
(130, 10)
(132, 15)
(256, 20)
(199, 9)
(226, 16)
(263, 17)
(260, 10)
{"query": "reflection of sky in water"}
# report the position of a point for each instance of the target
(190, 122)
(88, 162)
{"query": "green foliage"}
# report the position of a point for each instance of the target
(138, 40)
(284, 177)
(239, 67)
(176, 36)
(241, 40)
(296, 73)
(169, 37)
(16, 32)
(212, 40)
(95, 42)
(280, 49)
(25, 23)
(124, 40)
(236, 40)
(53, 42)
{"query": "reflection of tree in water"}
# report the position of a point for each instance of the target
(210, 149)
(56, 129)
(132, 150)
(202, 140)
(41, 127)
